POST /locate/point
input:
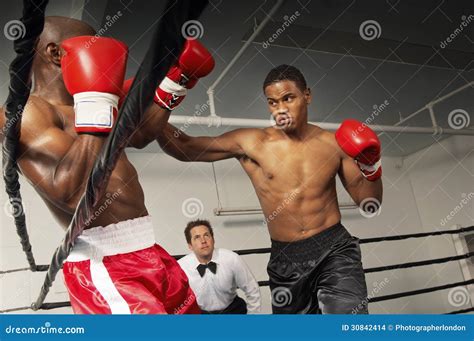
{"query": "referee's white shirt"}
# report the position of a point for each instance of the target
(217, 291)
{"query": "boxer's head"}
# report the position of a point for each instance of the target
(288, 97)
(200, 238)
(47, 59)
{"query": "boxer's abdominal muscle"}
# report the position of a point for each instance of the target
(295, 184)
(124, 197)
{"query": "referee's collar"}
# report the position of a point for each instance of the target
(215, 257)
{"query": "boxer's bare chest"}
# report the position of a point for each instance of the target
(285, 165)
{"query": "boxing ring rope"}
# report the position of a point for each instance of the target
(54, 305)
(167, 41)
(18, 94)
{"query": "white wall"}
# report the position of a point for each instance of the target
(417, 195)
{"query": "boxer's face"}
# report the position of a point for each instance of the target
(288, 104)
(202, 242)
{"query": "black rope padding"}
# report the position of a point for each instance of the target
(415, 235)
(419, 263)
(267, 250)
(166, 44)
(18, 94)
(462, 311)
(419, 291)
(366, 240)
(44, 306)
(54, 305)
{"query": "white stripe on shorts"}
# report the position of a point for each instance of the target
(102, 281)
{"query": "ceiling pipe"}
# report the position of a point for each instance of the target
(230, 211)
(218, 121)
(434, 102)
(213, 120)
(210, 91)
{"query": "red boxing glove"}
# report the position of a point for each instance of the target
(94, 76)
(194, 62)
(360, 142)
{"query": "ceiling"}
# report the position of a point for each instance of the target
(407, 66)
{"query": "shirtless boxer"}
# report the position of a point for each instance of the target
(115, 265)
(315, 264)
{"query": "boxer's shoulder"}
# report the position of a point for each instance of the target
(41, 128)
(40, 114)
(326, 137)
(250, 137)
(36, 114)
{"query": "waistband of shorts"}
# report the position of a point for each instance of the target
(310, 248)
(123, 237)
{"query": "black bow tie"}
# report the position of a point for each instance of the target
(202, 268)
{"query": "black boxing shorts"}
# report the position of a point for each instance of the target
(322, 274)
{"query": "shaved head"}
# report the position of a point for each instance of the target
(57, 29)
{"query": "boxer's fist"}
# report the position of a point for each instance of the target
(94, 76)
(194, 62)
(361, 143)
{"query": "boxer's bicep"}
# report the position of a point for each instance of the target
(39, 162)
(351, 177)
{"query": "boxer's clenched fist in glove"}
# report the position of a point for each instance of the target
(361, 143)
(93, 73)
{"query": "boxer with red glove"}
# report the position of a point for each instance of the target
(115, 265)
(194, 62)
(94, 76)
(300, 161)
(362, 144)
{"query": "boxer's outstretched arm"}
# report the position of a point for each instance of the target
(235, 143)
(154, 119)
(356, 184)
